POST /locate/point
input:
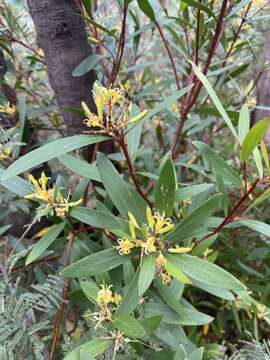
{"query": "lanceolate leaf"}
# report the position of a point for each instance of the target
(123, 196)
(175, 272)
(93, 347)
(188, 227)
(205, 271)
(90, 289)
(243, 124)
(253, 137)
(219, 165)
(147, 273)
(80, 167)
(165, 189)
(95, 264)
(98, 219)
(145, 6)
(45, 242)
(50, 151)
(189, 191)
(16, 184)
(128, 326)
(86, 65)
(198, 5)
(131, 298)
(214, 98)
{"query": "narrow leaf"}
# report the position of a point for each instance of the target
(147, 273)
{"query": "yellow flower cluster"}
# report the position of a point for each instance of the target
(113, 112)
(48, 195)
(106, 296)
(5, 152)
(105, 299)
(8, 109)
(150, 240)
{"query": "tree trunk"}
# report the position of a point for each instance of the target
(263, 93)
(62, 36)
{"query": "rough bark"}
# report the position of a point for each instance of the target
(62, 36)
(263, 92)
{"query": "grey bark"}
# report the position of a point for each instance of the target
(62, 36)
(263, 92)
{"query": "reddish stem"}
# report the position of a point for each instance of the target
(132, 171)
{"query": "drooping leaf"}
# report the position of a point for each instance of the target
(95, 264)
(48, 152)
(45, 242)
(128, 326)
(253, 137)
(165, 189)
(205, 271)
(147, 273)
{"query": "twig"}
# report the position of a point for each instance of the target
(230, 217)
(132, 171)
(59, 314)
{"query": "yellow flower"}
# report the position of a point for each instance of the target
(5, 152)
(8, 109)
(180, 250)
(40, 185)
(260, 311)
(113, 111)
(116, 299)
(104, 295)
(157, 222)
(62, 208)
(252, 102)
(125, 246)
(160, 260)
(149, 245)
(166, 278)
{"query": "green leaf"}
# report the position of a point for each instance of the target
(219, 165)
(95, 264)
(90, 289)
(236, 9)
(190, 191)
(189, 226)
(147, 273)
(16, 184)
(151, 324)
(145, 6)
(243, 124)
(214, 98)
(128, 326)
(45, 242)
(50, 151)
(217, 291)
(196, 354)
(131, 298)
(165, 189)
(3, 229)
(256, 225)
(176, 273)
(200, 6)
(258, 161)
(253, 137)
(93, 347)
(188, 315)
(166, 103)
(86, 65)
(124, 197)
(261, 198)
(96, 218)
(265, 156)
(80, 167)
(205, 271)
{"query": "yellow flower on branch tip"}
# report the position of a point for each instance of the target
(158, 223)
(8, 109)
(40, 185)
(104, 295)
(125, 246)
(179, 250)
(149, 245)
